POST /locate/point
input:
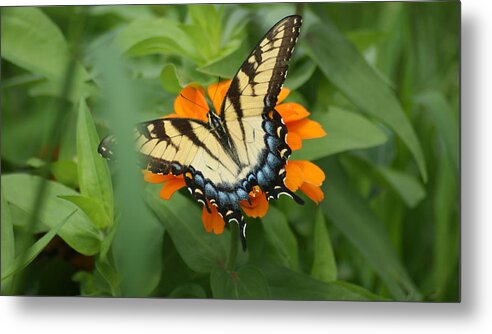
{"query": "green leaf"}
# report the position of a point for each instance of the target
(24, 259)
(87, 283)
(213, 40)
(80, 90)
(188, 290)
(348, 211)
(137, 252)
(92, 208)
(32, 41)
(345, 67)
(127, 12)
(246, 283)
(344, 131)
(227, 66)
(108, 273)
(324, 266)
(20, 191)
(93, 171)
(151, 36)
(364, 39)
(300, 71)
(136, 247)
(446, 243)
(286, 284)
(409, 188)
(7, 247)
(206, 21)
(200, 250)
(23, 135)
(281, 238)
(173, 79)
(445, 121)
(65, 171)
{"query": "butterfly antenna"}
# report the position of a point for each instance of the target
(215, 93)
(190, 100)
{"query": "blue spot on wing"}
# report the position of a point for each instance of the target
(223, 198)
(273, 143)
(210, 191)
(241, 194)
(269, 128)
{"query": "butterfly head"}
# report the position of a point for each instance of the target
(105, 148)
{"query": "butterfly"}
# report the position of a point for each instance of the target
(242, 145)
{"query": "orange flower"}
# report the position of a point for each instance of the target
(306, 176)
(191, 103)
(172, 183)
(212, 221)
(257, 207)
(298, 126)
(303, 175)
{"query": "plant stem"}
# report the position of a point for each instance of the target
(233, 245)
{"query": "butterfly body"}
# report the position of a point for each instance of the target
(240, 147)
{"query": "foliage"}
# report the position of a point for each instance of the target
(382, 79)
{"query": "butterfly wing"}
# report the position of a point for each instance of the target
(169, 145)
(179, 146)
(255, 87)
(255, 132)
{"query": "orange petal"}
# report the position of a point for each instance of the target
(306, 128)
(312, 173)
(156, 178)
(291, 111)
(313, 192)
(212, 221)
(294, 141)
(217, 93)
(171, 186)
(257, 208)
(284, 92)
(191, 103)
(293, 176)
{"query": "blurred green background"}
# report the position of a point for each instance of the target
(381, 78)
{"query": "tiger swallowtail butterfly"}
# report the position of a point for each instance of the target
(243, 145)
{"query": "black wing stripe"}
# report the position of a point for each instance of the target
(267, 63)
(186, 130)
